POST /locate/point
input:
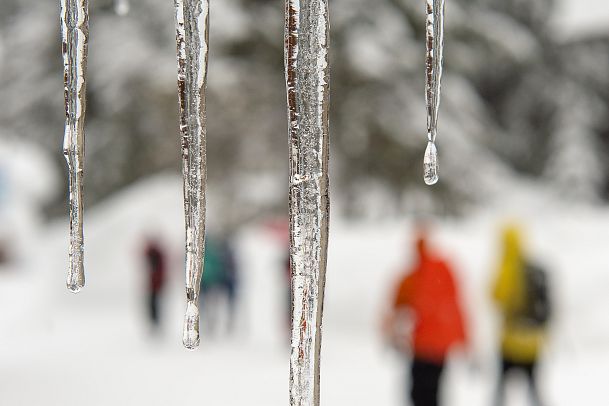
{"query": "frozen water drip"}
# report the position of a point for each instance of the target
(192, 21)
(74, 41)
(434, 35)
(430, 164)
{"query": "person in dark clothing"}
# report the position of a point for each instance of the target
(230, 281)
(156, 269)
(219, 284)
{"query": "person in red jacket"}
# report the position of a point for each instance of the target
(156, 264)
(428, 297)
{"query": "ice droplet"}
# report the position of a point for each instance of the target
(430, 164)
(76, 280)
(190, 339)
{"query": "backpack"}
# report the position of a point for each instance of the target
(537, 309)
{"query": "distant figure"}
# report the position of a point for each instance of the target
(522, 296)
(429, 296)
(287, 278)
(156, 269)
(4, 251)
(219, 282)
(230, 281)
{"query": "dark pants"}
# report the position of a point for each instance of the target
(425, 377)
(527, 369)
(153, 308)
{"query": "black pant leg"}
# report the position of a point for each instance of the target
(501, 379)
(153, 303)
(425, 377)
(530, 371)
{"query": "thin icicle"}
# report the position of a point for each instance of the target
(75, 35)
(307, 81)
(433, 63)
(192, 19)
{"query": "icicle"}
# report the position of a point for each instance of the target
(307, 82)
(433, 64)
(122, 7)
(430, 164)
(192, 18)
(74, 36)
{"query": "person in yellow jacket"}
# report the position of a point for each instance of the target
(520, 293)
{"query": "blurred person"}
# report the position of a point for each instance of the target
(427, 300)
(219, 282)
(4, 250)
(521, 295)
(156, 269)
(230, 280)
(287, 279)
(280, 229)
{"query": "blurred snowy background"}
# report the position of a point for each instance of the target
(523, 133)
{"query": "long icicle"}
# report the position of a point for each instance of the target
(192, 19)
(307, 82)
(434, 34)
(75, 36)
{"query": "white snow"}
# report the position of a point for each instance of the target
(57, 348)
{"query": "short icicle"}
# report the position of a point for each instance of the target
(192, 19)
(434, 35)
(75, 36)
(307, 82)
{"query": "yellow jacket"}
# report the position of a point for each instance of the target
(520, 342)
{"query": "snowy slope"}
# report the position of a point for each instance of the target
(94, 345)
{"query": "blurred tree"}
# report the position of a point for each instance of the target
(503, 112)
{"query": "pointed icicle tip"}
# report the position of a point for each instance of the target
(430, 164)
(74, 287)
(191, 339)
(75, 282)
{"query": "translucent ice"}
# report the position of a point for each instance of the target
(430, 164)
(434, 35)
(192, 19)
(190, 337)
(74, 40)
(307, 82)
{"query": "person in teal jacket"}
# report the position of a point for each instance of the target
(219, 281)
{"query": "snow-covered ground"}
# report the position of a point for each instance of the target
(57, 348)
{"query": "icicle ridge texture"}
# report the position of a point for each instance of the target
(307, 82)
(74, 37)
(434, 34)
(192, 20)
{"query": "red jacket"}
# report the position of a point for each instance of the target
(431, 293)
(156, 267)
